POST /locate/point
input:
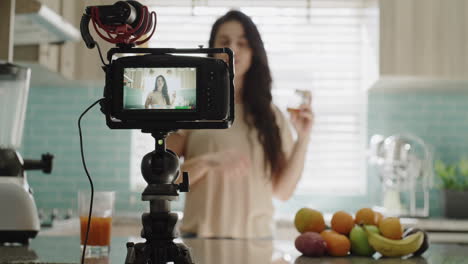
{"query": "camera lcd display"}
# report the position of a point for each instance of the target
(160, 88)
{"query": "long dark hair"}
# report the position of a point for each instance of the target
(164, 89)
(256, 92)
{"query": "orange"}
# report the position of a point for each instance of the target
(328, 232)
(309, 220)
(337, 245)
(378, 217)
(342, 222)
(390, 227)
(365, 216)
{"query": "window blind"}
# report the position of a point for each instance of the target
(311, 45)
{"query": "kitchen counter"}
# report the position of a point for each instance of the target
(440, 230)
(66, 249)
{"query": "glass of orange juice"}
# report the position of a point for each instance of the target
(99, 236)
(299, 98)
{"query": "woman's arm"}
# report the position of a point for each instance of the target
(172, 101)
(148, 101)
(177, 142)
(226, 163)
(196, 167)
(286, 183)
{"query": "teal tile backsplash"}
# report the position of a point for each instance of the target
(51, 126)
(438, 115)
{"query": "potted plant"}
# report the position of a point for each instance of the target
(454, 179)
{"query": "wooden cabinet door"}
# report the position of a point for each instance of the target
(424, 38)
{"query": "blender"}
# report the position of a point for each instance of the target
(19, 219)
(404, 164)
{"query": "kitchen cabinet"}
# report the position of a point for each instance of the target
(54, 59)
(64, 63)
(426, 38)
(42, 32)
(7, 9)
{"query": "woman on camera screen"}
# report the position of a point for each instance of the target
(159, 97)
(236, 172)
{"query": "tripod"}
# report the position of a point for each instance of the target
(160, 169)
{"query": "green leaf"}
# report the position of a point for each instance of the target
(448, 175)
(463, 167)
(452, 171)
(439, 167)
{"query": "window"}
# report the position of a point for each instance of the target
(322, 46)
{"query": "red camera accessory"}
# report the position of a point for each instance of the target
(123, 23)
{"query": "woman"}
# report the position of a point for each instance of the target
(159, 97)
(235, 173)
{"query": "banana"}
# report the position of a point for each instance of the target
(395, 248)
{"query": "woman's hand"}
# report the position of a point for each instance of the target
(230, 163)
(302, 121)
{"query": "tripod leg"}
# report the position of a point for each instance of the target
(184, 256)
(136, 253)
(130, 259)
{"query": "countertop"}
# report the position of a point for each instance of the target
(440, 230)
(60, 244)
(66, 249)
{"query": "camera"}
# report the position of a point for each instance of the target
(159, 90)
(196, 92)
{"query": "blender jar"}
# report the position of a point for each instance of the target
(14, 88)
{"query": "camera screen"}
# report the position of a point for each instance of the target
(159, 88)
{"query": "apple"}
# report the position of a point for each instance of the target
(372, 228)
(359, 242)
(311, 244)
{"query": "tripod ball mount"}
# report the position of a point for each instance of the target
(160, 169)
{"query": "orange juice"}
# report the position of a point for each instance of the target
(293, 110)
(99, 231)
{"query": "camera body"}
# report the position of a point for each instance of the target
(157, 90)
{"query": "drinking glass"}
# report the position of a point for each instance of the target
(99, 236)
(300, 97)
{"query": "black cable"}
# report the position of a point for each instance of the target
(89, 177)
(100, 54)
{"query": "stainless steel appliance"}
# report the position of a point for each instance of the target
(405, 167)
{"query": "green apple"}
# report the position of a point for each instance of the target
(372, 228)
(359, 243)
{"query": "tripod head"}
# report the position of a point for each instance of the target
(160, 166)
(160, 169)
